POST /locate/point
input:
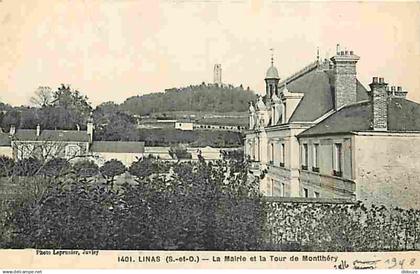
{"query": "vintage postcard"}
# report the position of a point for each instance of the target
(209, 134)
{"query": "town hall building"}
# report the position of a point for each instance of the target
(320, 133)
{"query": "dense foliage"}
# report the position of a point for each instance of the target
(204, 97)
(112, 124)
(63, 108)
(192, 206)
(6, 166)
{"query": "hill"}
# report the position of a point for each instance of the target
(204, 97)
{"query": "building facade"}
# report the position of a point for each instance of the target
(72, 145)
(320, 134)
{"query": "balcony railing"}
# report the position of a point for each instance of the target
(315, 169)
(304, 167)
(338, 173)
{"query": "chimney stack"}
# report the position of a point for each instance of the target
(345, 82)
(90, 127)
(379, 104)
(397, 92)
(38, 130)
(12, 130)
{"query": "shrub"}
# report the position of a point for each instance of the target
(112, 168)
(6, 166)
(85, 169)
(179, 152)
(27, 167)
(56, 167)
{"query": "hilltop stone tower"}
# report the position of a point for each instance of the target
(218, 74)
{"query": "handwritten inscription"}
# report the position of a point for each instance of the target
(365, 264)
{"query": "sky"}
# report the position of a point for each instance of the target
(111, 50)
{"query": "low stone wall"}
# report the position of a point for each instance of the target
(322, 224)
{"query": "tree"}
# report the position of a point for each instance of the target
(6, 166)
(116, 127)
(11, 118)
(110, 169)
(142, 168)
(85, 169)
(29, 118)
(73, 108)
(43, 97)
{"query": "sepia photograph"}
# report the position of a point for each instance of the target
(210, 126)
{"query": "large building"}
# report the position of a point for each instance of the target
(69, 144)
(320, 133)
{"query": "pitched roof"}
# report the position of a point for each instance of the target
(52, 135)
(4, 139)
(349, 118)
(317, 99)
(403, 115)
(117, 147)
(318, 89)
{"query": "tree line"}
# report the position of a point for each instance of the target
(67, 108)
(64, 108)
(203, 97)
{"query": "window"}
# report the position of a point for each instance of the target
(337, 160)
(282, 190)
(306, 192)
(272, 153)
(316, 194)
(305, 156)
(315, 158)
(270, 184)
(282, 155)
(253, 150)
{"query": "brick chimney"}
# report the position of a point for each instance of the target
(379, 103)
(345, 81)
